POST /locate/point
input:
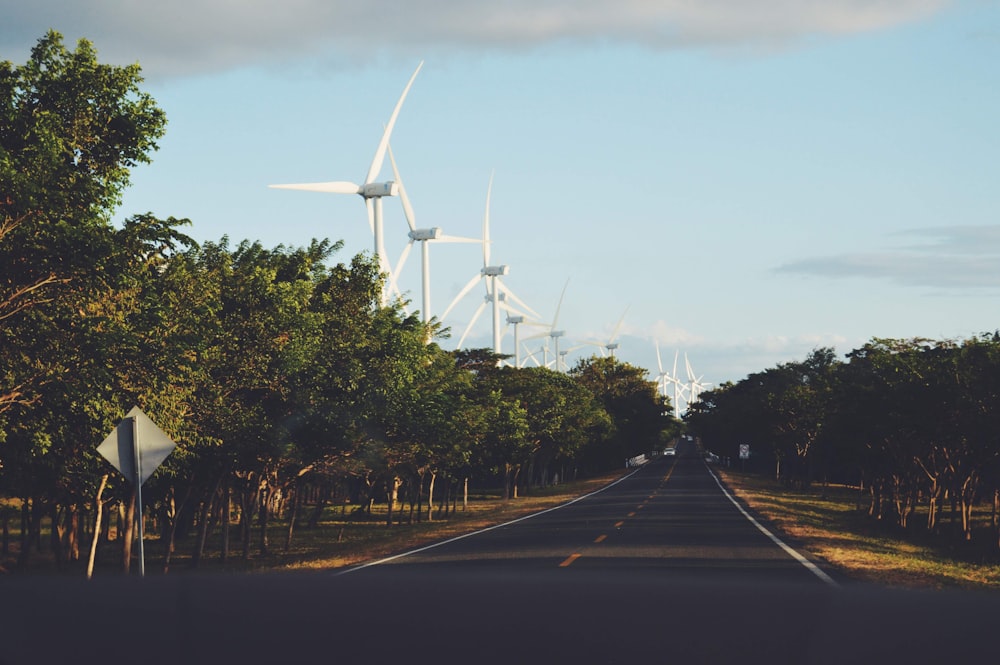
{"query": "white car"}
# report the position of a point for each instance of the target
(670, 452)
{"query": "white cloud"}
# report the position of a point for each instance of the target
(194, 36)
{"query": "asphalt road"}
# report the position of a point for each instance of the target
(669, 518)
(659, 567)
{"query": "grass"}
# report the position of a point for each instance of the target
(826, 523)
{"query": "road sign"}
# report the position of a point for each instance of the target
(137, 448)
(744, 451)
(136, 432)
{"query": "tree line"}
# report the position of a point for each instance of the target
(284, 382)
(913, 423)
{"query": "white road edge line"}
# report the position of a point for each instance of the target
(489, 528)
(809, 565)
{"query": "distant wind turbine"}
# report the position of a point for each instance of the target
(496, 291)
(608, 347)
(370, 190)
(694, 382)
(552, 333)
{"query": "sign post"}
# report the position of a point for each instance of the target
(744, 454)
(137, 448)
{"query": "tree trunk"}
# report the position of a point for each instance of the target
(204, 521)
(73, 533)
(98, 508)
(391, 495)
(430, 496)
(265, 496)
(293, 515)
(5, 519)
(226, 510)
(465, 494)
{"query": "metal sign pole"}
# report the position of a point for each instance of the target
(138, 493)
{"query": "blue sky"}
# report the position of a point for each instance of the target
(750, 179)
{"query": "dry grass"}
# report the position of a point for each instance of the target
(826, 523)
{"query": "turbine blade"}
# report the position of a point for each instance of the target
(402, 259)
(555, 319)
(384, 143)
(659, 363)
(486, 225)
(618, 327)
(370, 206)
(454, 238)
(461, 294)
(407, 208)
(510, 294)
(335, 187)
(472, 322)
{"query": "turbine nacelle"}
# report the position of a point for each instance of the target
(495, 271)
(425, 234)
(376, 190)
(515, 319)
(557, 333)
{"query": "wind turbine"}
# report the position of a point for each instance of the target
(610, 345)
(424, 237)
(696, 386)
(517, 320)
(370, 190)
(496, 291)
(552, 333)
(662, 378)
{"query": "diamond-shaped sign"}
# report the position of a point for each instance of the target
(153, 445)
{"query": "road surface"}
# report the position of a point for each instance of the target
(659, 567)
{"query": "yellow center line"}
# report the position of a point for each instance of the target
(618, 525)
(600, 538)
(570, 559)
(631, 514)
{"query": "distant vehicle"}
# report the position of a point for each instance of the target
(670, 452)
(711, 457)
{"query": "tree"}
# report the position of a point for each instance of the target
(70, 131)
(638, 413)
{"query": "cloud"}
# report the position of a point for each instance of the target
(960, 257)
(185, 37)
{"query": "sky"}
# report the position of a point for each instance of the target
(736, 181)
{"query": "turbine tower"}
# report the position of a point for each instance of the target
(370, 190)
(496, 291)
(424, 237)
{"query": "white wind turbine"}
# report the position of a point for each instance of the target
(680, 388)
(608, 347)
(424, 237)
(517, 320)
(552, 333)
(694, 382)
(662, 378)
(496, 291)
(370, 190)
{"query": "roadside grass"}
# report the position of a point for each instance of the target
(828, 523)
(343, 537)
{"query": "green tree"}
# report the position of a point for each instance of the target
(70, 131)
(638, 413)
